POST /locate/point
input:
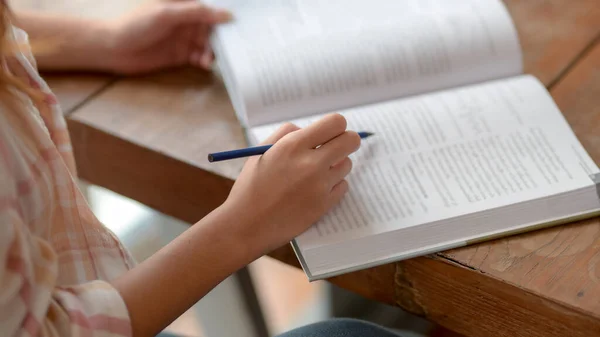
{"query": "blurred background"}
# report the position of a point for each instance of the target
(286, 298)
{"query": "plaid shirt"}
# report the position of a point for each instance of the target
(56, 258)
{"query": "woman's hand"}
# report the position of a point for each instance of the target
(283, 192)
(164, 34)
(276, 197)
(159, 35)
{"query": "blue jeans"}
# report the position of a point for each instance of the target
(341, 327)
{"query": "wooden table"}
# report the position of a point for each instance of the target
(147, 138)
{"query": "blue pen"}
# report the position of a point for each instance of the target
(254, 151)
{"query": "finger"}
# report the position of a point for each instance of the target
(323, 130)
(283, 130)
(340, 147)
(202, 35)
(186, 12)
(340, 170)
(183, 47)
(198, 56)
(202, 58)
(337, 193)
(207, 57)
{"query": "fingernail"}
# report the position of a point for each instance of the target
(223, 14)
(206, 60)
(196, 58)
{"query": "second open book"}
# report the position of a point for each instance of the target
(466, 147)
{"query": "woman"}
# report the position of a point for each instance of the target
(63, 273)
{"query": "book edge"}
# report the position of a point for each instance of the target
(301, 260)
(456, 244)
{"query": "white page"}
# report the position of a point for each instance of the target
(451, 153)
(288, 58)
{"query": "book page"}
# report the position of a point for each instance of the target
(448, 154)
(284, 59)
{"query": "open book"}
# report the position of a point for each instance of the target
(466, 147)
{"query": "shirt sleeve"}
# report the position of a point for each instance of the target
(31, 303)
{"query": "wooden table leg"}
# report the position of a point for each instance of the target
(253, 307)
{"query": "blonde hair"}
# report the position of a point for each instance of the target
(9, 83)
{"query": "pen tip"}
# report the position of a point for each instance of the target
(367, 134)
(210, 158)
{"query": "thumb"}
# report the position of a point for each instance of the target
(194, 12)
(283, 130)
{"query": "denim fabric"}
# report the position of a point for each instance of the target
(342, 327)
(166, 334)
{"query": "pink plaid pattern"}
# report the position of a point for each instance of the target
(56, 258)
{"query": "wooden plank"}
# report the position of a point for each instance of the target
(161, 182)
(182, 113)
(72, 90)
(476, 304)
(561, 263)
(553, 33)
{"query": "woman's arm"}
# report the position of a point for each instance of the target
(67, 43)
(160, 35)
(163, 287)
(276, 197)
